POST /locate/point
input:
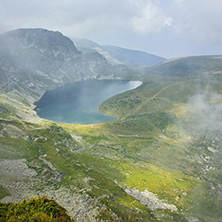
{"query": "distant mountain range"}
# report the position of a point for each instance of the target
(118, 55)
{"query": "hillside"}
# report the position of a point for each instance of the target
(133, 57)
(187, 66)
(35, 60)
(114, 54)
(159, 161)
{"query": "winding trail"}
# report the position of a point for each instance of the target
(158, 93)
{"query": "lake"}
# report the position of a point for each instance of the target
(78, 102)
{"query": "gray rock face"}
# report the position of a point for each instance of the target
(35, 49)
(35, 60)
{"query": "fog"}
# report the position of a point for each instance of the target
(206, 111)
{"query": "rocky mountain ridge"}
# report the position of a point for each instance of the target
(36, 60)
(119, 55)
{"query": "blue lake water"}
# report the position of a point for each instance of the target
(78, 102)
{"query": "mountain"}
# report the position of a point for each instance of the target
(160, 160)
(38, 59)
(188, 66)
(114, 54)
(133, 57)
(85, 45)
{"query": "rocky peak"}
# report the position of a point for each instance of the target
(37, 49)
(38, 38)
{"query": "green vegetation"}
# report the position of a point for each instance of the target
(166, 141)
(3, 192)
(36, 209)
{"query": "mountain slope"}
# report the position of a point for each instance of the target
(85, 45)
(133, 57)
(174, 121)
(116, 54)
(159, 161)
(187, 66)
(38, 59)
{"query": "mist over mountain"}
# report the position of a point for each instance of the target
(159, 160)
(115, 54)
(39, 59)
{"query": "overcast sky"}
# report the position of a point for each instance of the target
(168, 28)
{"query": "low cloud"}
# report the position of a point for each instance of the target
(206, 110)
(197, 19)
(150, 18)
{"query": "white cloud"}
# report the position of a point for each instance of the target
(77, 17)
(150, 17)
(85, 16)
(199, 20)
(129, 23)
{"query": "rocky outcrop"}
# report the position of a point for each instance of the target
(150, 200)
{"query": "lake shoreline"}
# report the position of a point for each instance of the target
(79, 102)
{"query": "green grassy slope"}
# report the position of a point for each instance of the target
(166, 130)
(47, 150)
(188, 66)
(159, 160)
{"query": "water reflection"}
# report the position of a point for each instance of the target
(78, 102)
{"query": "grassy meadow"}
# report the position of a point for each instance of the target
(166, 140)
